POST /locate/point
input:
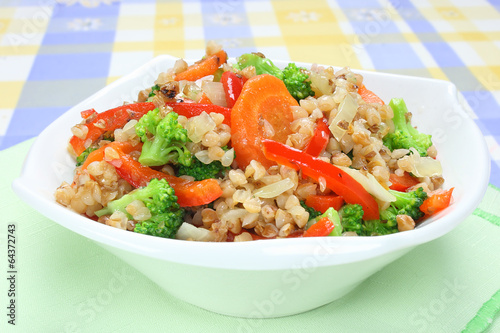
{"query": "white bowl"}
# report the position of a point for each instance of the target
(269, 278)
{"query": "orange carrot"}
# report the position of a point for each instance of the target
(369, 96)
(98, 155)
(204, 99)
(262, 111)
(204, 67)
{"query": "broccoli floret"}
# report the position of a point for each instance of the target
(352, 218)
(262, 64)
(83, 156)
(159, 197)
(333, 216)
(407, 203)
(154, 89)
(296, 81)
(378, 228)
(312, 212)
(405, 135)
(164, 139)
(295, 78)
(199, 170)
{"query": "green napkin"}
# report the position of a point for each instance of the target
(66, 283)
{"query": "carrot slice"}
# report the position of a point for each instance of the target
(98, 155)
(204, 67)
(369, 96)
(204, 99)
(262, 111)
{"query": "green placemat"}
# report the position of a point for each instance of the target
(66, 283)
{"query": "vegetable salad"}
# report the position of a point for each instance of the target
(241, 151)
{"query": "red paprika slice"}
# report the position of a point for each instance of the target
(233, 84)
(320, 138)
(336, 179)
(109, 121)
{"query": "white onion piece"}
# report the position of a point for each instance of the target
(424, 166)
(275, 189)
(370, 184)
(215, 91)
(202, 155)
(347, 110)
(233, 214)
(320, 84)
(198, 126)
(190, 232)
(192, 91)
(228, 158)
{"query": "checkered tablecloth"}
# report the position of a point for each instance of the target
(54, 53)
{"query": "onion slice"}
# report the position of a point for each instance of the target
(370, 184)
(347, 110)
(198, 126)
(190, 232)
(275, 189)
(424, 166)
(215, 91)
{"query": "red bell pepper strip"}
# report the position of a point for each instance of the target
(402, 183)
(437, 201)
(321, 228)
(109, 121)
(320, 138)
(233, 84)
(322, 202)
(189, 193)
(336, 180)
(194, 109)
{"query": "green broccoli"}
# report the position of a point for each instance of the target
(295, 78)
(407, 203)
(378, 228)
(83, 156)
(405, 135)
(200, 170)
(296, 81)
(164, 139)
(159, 197)
(333, 216)
(312, 212)
(352, 218)
(154, 89)
(262, 64)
